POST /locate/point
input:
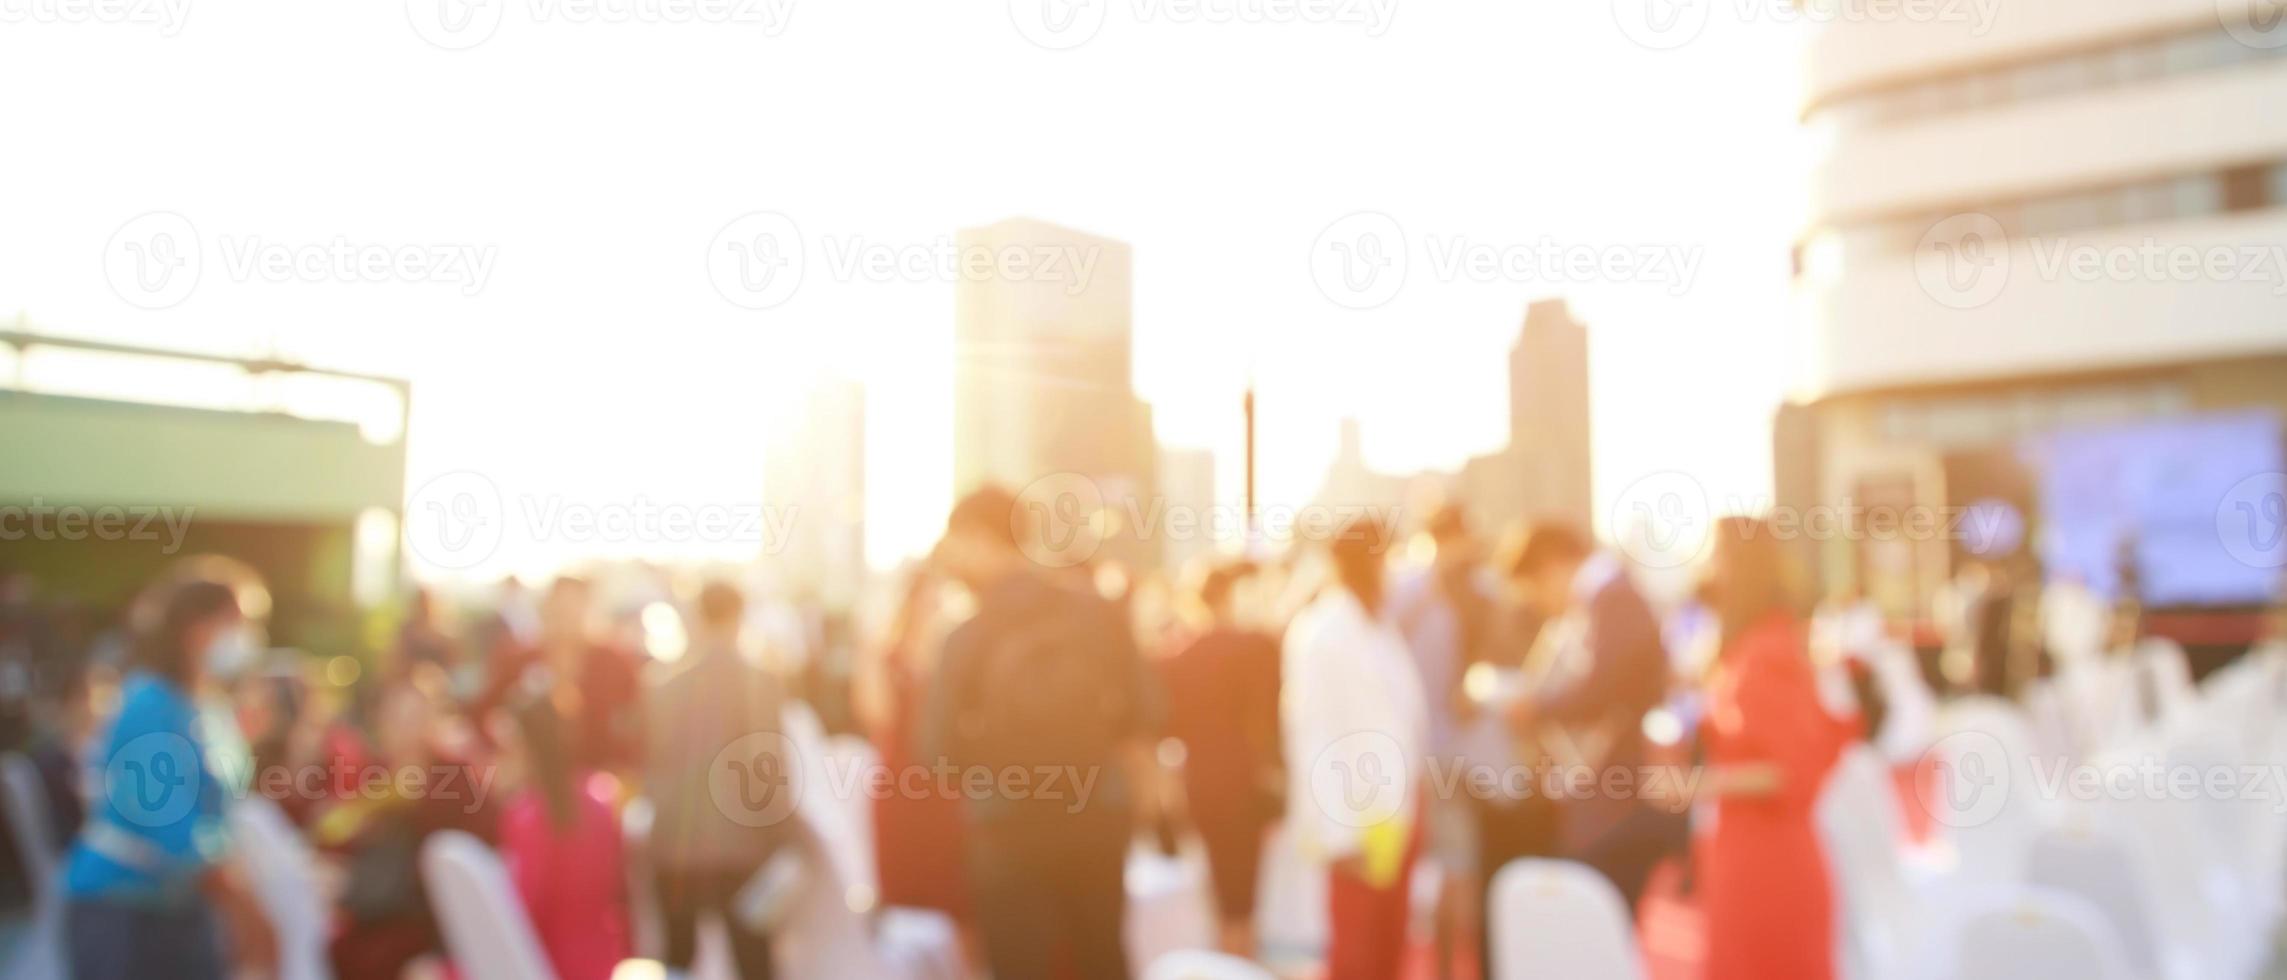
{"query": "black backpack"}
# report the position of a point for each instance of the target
(1056, 688)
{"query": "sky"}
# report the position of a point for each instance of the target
(514, 204)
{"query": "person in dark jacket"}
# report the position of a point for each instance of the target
(1042, 698)
(1604, 668)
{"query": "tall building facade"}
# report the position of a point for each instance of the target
(1543, 473)
(2032, 279)
(1042, 377)
(815, 483)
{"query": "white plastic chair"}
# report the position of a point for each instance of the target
(1910, 708)
(2100, 861)
(1290, 902)
(1168, 908)
(852, 761)
(41, 954)
(832, 929)
(1559, 919)
(1859, 825)
(283, 873)
(1199, 964)
(1987, 799)
(485, 926)
(2028, 932)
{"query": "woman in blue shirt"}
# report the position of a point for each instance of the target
(145, 879)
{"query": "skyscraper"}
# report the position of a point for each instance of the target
(815, 483)
(1042, 385)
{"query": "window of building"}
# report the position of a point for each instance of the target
(2246, 188)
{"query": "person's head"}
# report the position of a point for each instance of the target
(1748, 577)
(1541, 563)
(722, 607)
(531, 740)
(565, 614)
(980, 542)
(1358, 551)
(199, 624)
(1448, 530)
(1212, 588)
(404, 720)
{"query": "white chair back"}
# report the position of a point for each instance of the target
(1910, 709)
(485, 926)
(1169, 907)
(1199, 964)
(1559, 919)
(833, 928)
(2097, 862)
(283, 873)
(2031, 932)
(41, 953)
(1985, 795)
(852, 761)
(1859, 824)
(1290, 905)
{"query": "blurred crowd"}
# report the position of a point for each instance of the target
(1373, 697)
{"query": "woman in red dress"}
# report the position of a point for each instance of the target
(1770, 744)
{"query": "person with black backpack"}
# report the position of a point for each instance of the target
(1042, 703)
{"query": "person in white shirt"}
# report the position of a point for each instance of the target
(1357, 731)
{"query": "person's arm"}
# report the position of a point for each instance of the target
(253, 943)
(939, 735)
